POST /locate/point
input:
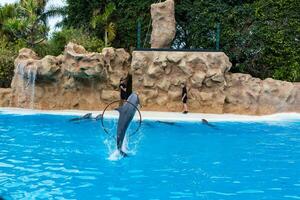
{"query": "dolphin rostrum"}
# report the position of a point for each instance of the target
(126, 114)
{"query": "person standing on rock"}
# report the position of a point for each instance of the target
(184, 98)
(123, 89)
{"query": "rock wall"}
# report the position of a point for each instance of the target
(75, 80)
(163, 24)
(211, 88)
(5, 97)
(83, 80)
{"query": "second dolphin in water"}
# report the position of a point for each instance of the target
(127, 112)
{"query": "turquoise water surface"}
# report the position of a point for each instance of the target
(48, 157)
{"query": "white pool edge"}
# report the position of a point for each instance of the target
(164, 116)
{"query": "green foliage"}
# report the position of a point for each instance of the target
(27, 24)
(103, 20)
(261, 37)
(7, 56)
(22, 24)
(7, 12)
(126, 16)
(278, 31)
(26, 21)
(59, 39)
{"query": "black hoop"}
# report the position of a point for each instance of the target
(102, 117)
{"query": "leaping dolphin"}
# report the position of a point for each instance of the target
(126, 114)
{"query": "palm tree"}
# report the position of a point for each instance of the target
(6, 12)
(104, 20)
(29, 22)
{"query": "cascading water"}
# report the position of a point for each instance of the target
(31, 85)
(25, 82)
(19, 81)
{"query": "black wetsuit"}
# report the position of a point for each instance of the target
(123, 93)
(184, 91)
(128, 85)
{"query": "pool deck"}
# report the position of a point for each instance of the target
(163, 116)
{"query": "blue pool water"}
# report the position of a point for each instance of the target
(48, 157)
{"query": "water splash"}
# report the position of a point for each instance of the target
(130, 144)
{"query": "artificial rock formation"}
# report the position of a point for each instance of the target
(211, 88)
(75, 80)
(5, 97)
(83, 80)
(163, 24)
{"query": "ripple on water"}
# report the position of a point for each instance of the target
(63, 169)
(219, 193)
(135, 171)
(138, 176)
(250, 191)
(6, 165)
(291, 196)
(175, 195)
(86, 177)
(16, 161)
(275, 189)
(29, 169)
(120, 189)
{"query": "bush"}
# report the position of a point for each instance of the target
(7, 57)
(6, 67)
(56, 44)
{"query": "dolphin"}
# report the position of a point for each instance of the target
(126, 114)
(205, 122)
(86, 116)
(98, 117)
(168, 123)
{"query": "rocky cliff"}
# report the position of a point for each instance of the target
(83, 80)
(163, 24)
(75, 80)
(211, 88)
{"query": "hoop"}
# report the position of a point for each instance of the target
(102, 117)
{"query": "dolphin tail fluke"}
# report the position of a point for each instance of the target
(123, 153)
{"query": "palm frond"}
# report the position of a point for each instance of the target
(111, 30)
(104, 17)
(94, 21)
(53, 11)
(7, 11)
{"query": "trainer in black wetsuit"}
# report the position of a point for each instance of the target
(184, 98)
(184, 95)
(128, 85)
(123, 90)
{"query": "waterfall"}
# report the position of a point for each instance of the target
(25, 84)
(20, 82)
(31, 86)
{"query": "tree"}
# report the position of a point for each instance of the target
(7, 12)
(27, 21)
(277, 29)
(103, 20)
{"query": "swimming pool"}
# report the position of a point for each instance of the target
(46, 156)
